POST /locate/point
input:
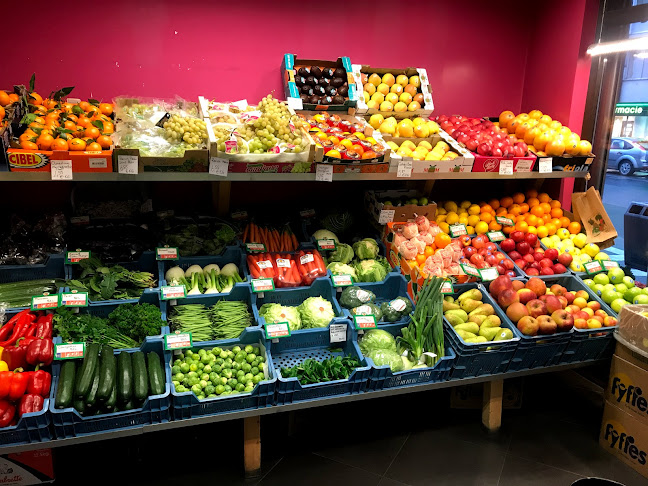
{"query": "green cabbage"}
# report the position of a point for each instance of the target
(387, 357)
(338, 268)
(374, 270)
(343, 253)
(366, 249)
(377, 339)
(323, 234)
(316, 312)
(280, 313)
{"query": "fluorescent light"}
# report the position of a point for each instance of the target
(641, 55)
(635, 44)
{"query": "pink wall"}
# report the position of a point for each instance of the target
(475, 51)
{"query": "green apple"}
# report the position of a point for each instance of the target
(640, 299)
(598, 288)
(630, 294)
(621, 287)
(601, 256)
(644, 290)
(616, 304)
(616, 275)
(609, 287)
(628, 281)
(589, 282)
(609, 295)
(601, 278)
(423, 201)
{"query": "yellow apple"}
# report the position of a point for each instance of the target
(413, 106)
(434, 127)
(378, 97)
(400, 106)
(396, 88)
(392, 98)
(409, 144)
(376, 120)
(421, 131)
(370, 88)
(425, 144)
(405, 98)
(415, 81)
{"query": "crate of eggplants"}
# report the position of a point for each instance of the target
(322, 86)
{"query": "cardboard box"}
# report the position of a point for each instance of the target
(192, 161)
(385, 214)
(632, 333)
(25, 468)
(626, 388)
(5, 140)
(427, 107)
(290, 64)
(625, 437)
(39, 160)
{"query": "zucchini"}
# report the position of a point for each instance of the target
(140, 376)
(87, 370)
(79, 405)
(124, 377)
(156, 375)
(65, 390)
(108, 371)
(91, 399)
(109, 405)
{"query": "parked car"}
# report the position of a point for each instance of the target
(628, 155)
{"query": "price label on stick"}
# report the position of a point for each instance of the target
(364, 322)
(76, 256)
(496, 236)
(277, 330)
(61, 170)
(166, 253)
(178, 340)
(504, 221)
(545, 164)
(593, 267)
(128, 164)
(337, 333)
(74, 299)
(458, 230)
(506, 167)
(446, 288)
(42, 302)
(171, 292)
(260, 285)
(69, 350)
(470, 270)
(342, 280)
(218, 166)
(386, 216)
(255, 247)
(609, 264)
(488, 274)
(326, 245)
(324, 173)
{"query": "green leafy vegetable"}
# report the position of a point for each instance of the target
(316, 312)
(311, 371)
(366, 249)
(137, 320)
(377, 339)
(374, 270)
(273, 313)
(343, 253)
(338, 268)
(368, 309)
(355, 296)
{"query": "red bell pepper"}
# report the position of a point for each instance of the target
(14, 356)
(23, 328)
(44, 326)
(13, 384)
(40, 352)
(30, 403)
(39, 383)
(7, 412)
(5, 331)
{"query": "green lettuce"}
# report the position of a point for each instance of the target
(377, 339)
(366, 249)
(343, 253)
(374, 270)
(338, 268)
(316, 312)
(280, 313)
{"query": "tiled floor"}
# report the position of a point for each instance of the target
(398, 441)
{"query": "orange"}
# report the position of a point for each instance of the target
(486, 217)
(78, 131)
(84, 121)
(106, 108)
(518, 198)
(85, 106)
(556, 213)
(35, 98)
(565, 221)
(551, 229)
(515, 209)
(49, 103)
(506, 202)
(481, 228)
(508, 229)
(524, 208)
(574, 227)
(420, 259)
(77, 144)
(486, 208)
(537, 211)
(93, 147)
(556, 222)
(545, 207)
(500, 211)
(27, 145)
(2, 113)
(109, 127)
(544, 197)
(441, 240)
(92, 132)
(521, 226)
(531, 193)
(429, 251)
(554, 203)
(88, 140)
(69, 124)
(40, 109)
(59, 144)
(74, 118)
(542, 231)
(532, 229)
(546, 218)
(4, 98)
(44, 142)
(531, 219)
(533, 201)
(13, 98)
(494, 203)
(494, 226)
(105, 141)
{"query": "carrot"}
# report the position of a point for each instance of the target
(245, 232)
(294, 241)
(254, 268)
(319, 261)
(275, 235)
(253, 233)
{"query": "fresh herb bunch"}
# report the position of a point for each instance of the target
(311, 371)
(137, 320)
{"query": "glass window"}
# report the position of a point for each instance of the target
(616, 144)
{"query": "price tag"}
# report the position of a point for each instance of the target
(255, 247)
(342, 280)
(61, 170)
(128, 164)
(239, 215)
(496, 236)
(74, 299)
(326, 245)
(506, 167)
(458, 230)
(260, 285)
(404, 168)
(364, 322)
(545, 164)
(386, 216)
(283, 263)
(171, 292)
(277, 330)
(307, 258)
(446, 288)
(337, 333)
(524, 165)
(488, 274)
(76, 256)
(504, 221)
(166, 253)
(324, 173)
(69, 350)
(295, 103)
(178, 340)
(609, 264)
(307, 213)
(42, 302)
(218, 166)
(263, 264)
(593, 267)
(470, 270)
(80, 220)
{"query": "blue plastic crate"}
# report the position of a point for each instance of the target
(295, 296)
(31, 427)
(146, 263)
(382, 377)
(395, 285)
(52, 268)
(231, 254)
(315, 344)
(156, 409)
(478, 359)
(240, 292)
(187, 405)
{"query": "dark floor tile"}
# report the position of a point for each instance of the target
(627, 476)
(433, 458)
(312, 470)
(519, 471)
(391, 482)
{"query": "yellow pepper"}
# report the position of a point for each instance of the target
(4, 366)
(1, 350)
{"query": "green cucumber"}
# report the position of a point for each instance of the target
(124, 377)
(91, 398)
(87, 370)
(65, 390)
(109, 405)
(156, 375)
(108, 372)
(140, 376)
(79, 405)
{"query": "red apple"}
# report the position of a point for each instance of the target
(528, 326)
(526, 295)
(546, 271)
(553, 304)
(594, 305)
(558, 289)
(485, 148)
(517, 236)
(514, 255)
(490, 246)
(517, 285)
(499, 255)
(551, 253)
(508, 264)
(570, 297)
(581, 315)
(532, 271)
(531, 239)
(491, 260)
(507, 297)
(521, 263)
(609, 321)
(464, 240)
(507, 245)
(529, 258)
(516, 311)
(563, 301)
(537, 256)
(545, 263)
(523, 247)
(479, 241)
(564, 320)
(536, 308)
(537, 285)
(583, 294)
(469, 251)
(546, 325)
(476, 259)
(558, 268)
(499, 284)
(511, 273)
(501, 269)
(565, 259)
(580, 323)
(535, 265)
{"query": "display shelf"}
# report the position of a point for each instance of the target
(8, 449)
(273, 177)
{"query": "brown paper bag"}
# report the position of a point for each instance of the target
(589, 209)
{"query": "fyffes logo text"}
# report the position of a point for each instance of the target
(624, 443)
(630, 394)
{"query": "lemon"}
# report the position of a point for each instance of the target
(474, 209)
(463, 219)
(601, 256)
(473, 219)
(465, 204)
(445, 227)
(441, 218)
(441, 211)
(463, 214)
(481, 228)
(452, 218)
(470, 229)
(451, 206)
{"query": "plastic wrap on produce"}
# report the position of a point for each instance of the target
(29, 242)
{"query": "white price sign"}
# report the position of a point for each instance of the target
(365, 322)
(337, 333)
(386, 216)
(173, 292)
(324, 173)
(45, 302)
(74, 299)
(545, 164)
(166, 253)
(404, 168)
(128, 164)
(218, 166)
(342, 280)
(277, 330)
(61, 170)
(295, 103)
(488, 274)
(506, 167)
(178, 341)
(260, 285)
(69, 350)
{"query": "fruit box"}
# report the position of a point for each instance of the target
(625, 378)
(625, 437)
(192, 161)
(39, 160)
(427, 107)
(385, 214)
(290, 63)
(462, 163)
(5, 140)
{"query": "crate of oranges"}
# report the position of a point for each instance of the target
(63, 130)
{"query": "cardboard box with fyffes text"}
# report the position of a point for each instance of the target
(625, 437)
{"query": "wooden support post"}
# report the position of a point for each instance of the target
(252, 446)
(427, 187)
(221, 197)
(492, 406)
